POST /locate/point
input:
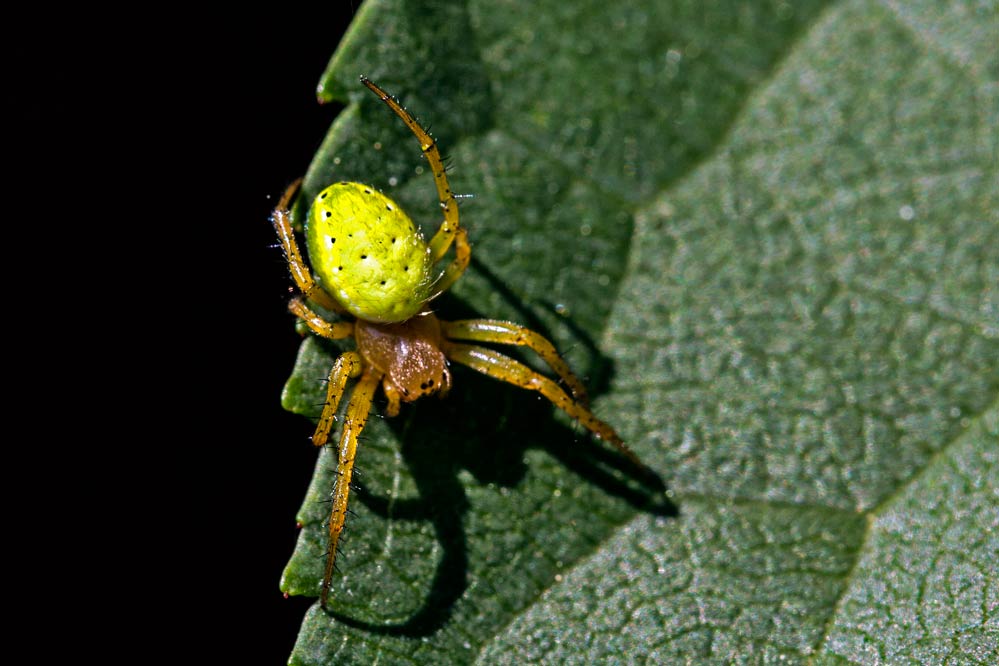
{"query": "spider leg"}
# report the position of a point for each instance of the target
(504, 368)
(332, 330)
(450, 228)
(281, 219)
(394, 399)
(353, 424)
(462, 255)
(347, 366)
(507, 333)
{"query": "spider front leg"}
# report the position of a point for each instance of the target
(347, 366)
(354, 422)
(506, 369)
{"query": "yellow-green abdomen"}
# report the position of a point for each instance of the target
(367, 253)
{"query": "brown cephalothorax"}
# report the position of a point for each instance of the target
(407, 355)
(379, 275)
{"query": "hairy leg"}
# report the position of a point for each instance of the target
(504, 368)
(332, 330)
(346, 367)
(281, 219)
(450, 228)
(354, 422)
(454, 270)
(507, 333)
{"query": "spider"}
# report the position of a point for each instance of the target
(372, 264)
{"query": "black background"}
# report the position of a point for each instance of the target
(157, 475)
(267, 462)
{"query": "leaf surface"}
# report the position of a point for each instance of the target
(768, 235)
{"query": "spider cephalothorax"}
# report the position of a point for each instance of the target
(371, 263)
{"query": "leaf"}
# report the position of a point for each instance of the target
(768, 233)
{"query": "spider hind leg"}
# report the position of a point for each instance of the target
(450, 232)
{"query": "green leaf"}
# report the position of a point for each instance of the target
(768, 235)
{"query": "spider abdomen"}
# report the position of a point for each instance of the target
(408, 354)
(367, 253)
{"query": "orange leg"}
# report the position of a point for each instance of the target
(332, 330)
(353, 424)
(462, 255)
(281, 219)
(347, 366)
(506, 369)
(394, 399)
(507, 333)
(450, 228)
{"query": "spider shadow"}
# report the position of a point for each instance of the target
(490, 427)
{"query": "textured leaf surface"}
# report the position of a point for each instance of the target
(768, 234)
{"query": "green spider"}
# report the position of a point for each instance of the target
(372, 263)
